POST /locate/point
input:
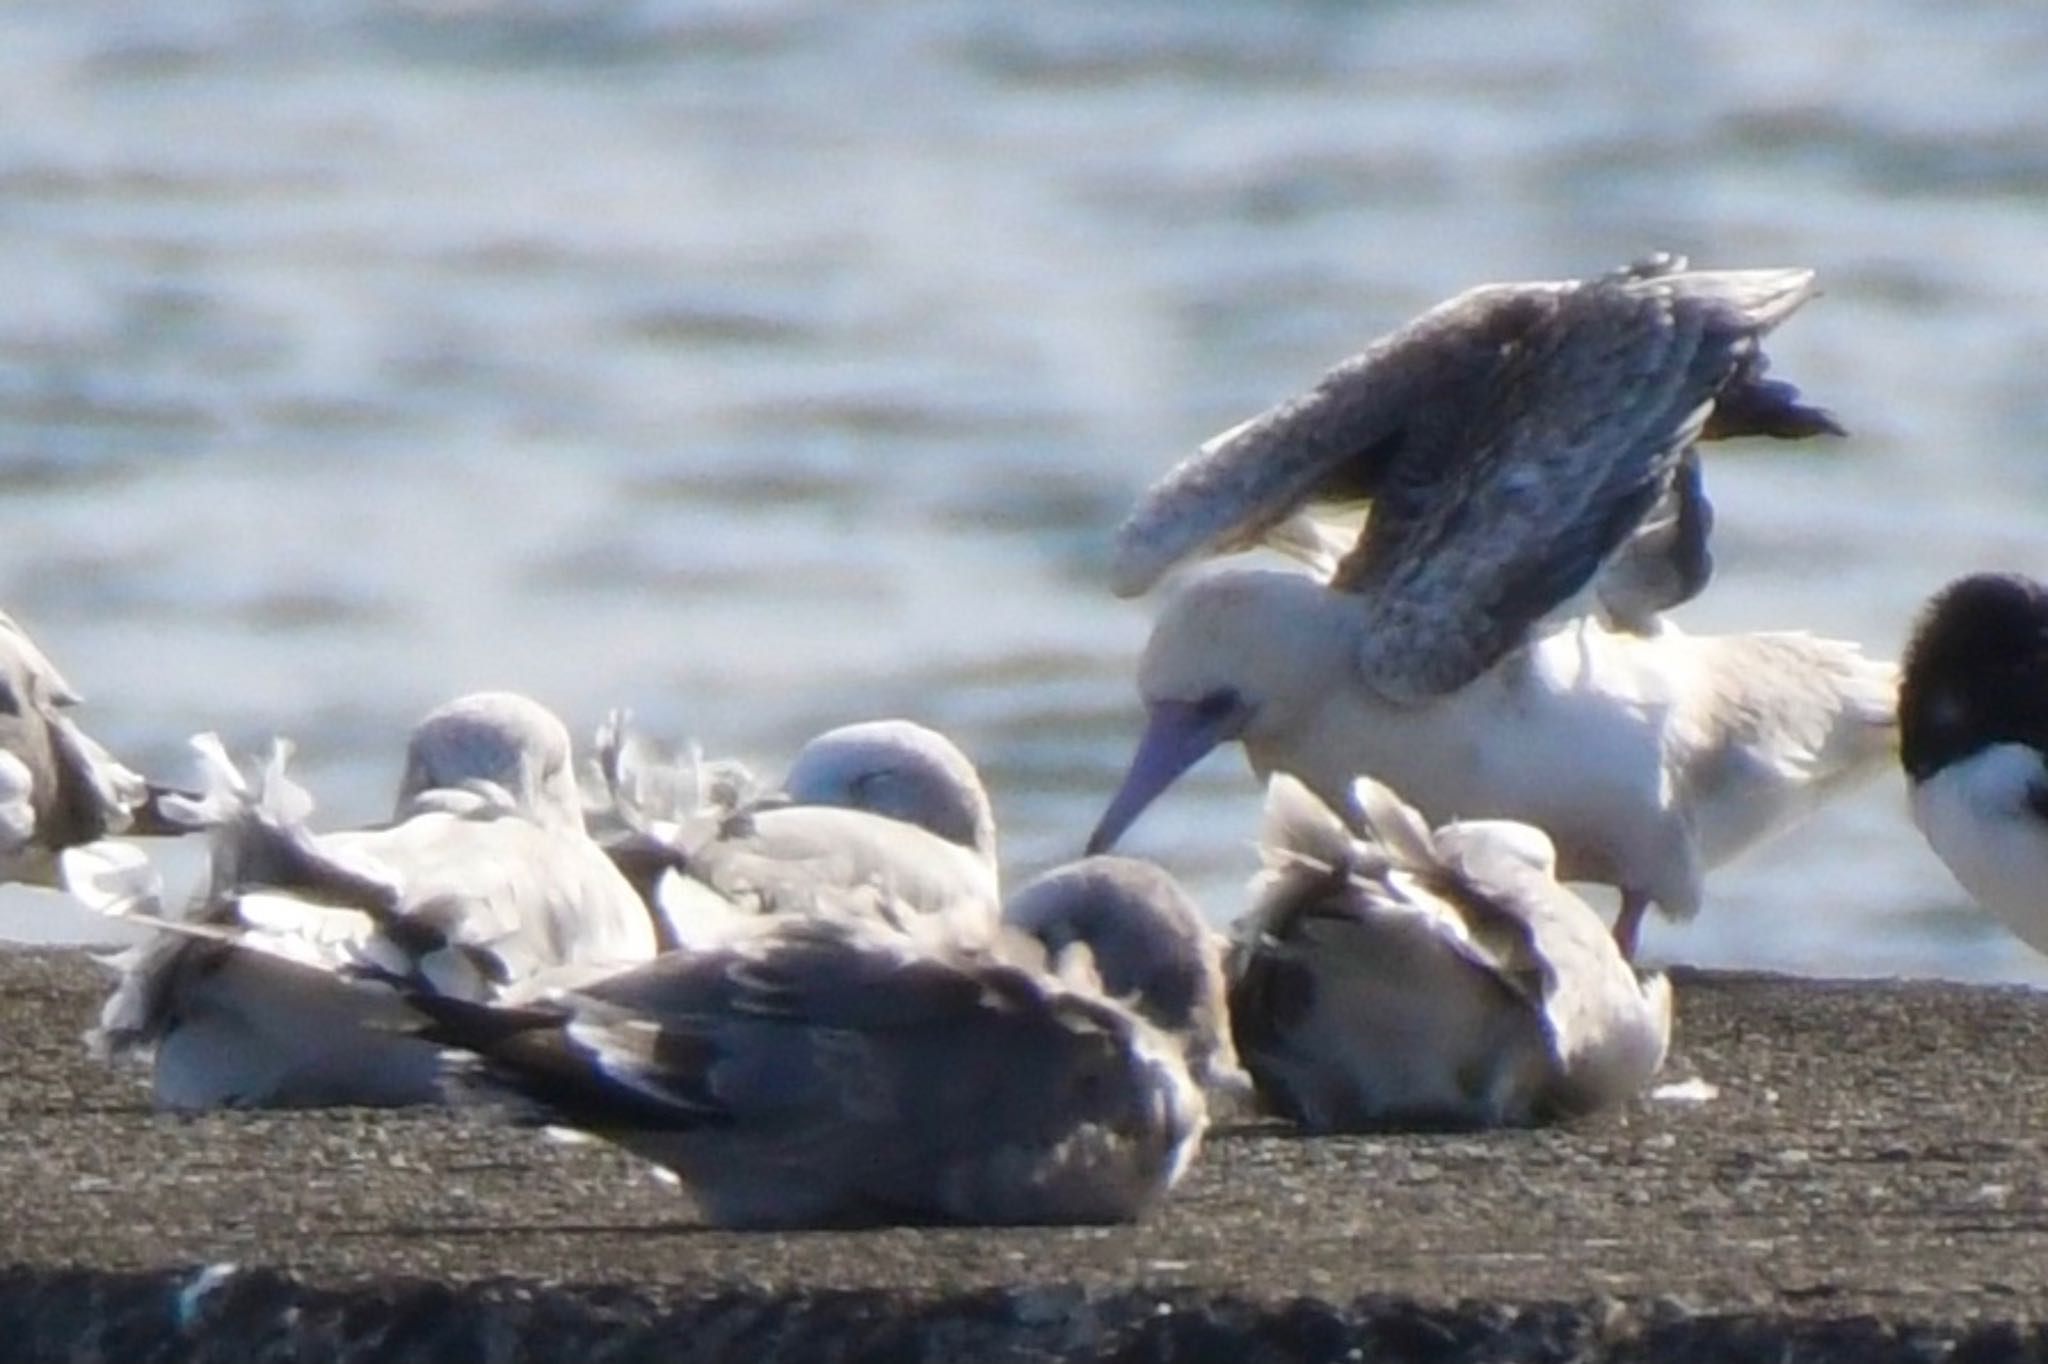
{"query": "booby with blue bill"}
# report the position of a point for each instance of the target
(1495, 645)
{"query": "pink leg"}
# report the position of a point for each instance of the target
(1628, 925)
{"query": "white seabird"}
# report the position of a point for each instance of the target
(1523, 446)
(1402, 977)
(484, 879)
(832, 1070)
(58, 788)
(889, 806)
(901, 769)
(1973, 738)
(1149, 946)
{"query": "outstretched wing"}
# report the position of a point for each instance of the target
(1465, 413)
(1334, 446)
(1559, 459)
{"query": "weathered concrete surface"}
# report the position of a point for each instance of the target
(1868, 1185)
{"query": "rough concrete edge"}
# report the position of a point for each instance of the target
(224, 1313)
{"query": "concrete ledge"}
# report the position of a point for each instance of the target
(261, 1315)
(1867, 1185)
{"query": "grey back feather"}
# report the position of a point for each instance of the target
(826, 1071)
(1150, 949)
(1369, 986)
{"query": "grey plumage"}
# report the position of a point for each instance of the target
(1147, 944)
(774, 859)
(845, 823)
(1512, 442)
(500, 739)
(826, 1070)
(1668, 560)
(901, 769)
(1389, 975)
(482, 882)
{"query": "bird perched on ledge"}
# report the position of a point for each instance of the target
(856, 1065)
(1973, 737)
(1493, 645)
(1395, 976)
(887, 804)
(484, 878)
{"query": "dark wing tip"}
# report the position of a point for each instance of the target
(1752, 406)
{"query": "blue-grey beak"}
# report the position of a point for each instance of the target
(1178, 734)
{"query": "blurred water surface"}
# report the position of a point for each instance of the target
(766, 365)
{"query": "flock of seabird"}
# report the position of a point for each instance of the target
(811, 1000)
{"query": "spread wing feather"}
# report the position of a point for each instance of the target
(1569, 448)
(1512, 442)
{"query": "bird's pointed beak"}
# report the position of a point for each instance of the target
(1178, 734)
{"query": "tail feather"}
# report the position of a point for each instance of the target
(222, 791)
(1392, 824)
(1299, 827)
(156, 815)
(259, 840)
(673, 798)
(119, 881)
(549, 1068)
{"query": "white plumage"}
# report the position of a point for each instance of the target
(1973, 720)
(886, 805)
(484, 880)
(1492, 645)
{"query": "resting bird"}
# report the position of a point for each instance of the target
(901, 769)
(484, 879)
(58, 789)
(1399, 977)
(1973, 737)
(1492, 645)
(850, 1069)
(1148, 945)
(888, 805)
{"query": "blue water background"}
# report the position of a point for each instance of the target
(767, 365)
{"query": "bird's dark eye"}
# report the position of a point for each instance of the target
(1219, 704)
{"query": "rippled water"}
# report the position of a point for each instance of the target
(766, 365)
